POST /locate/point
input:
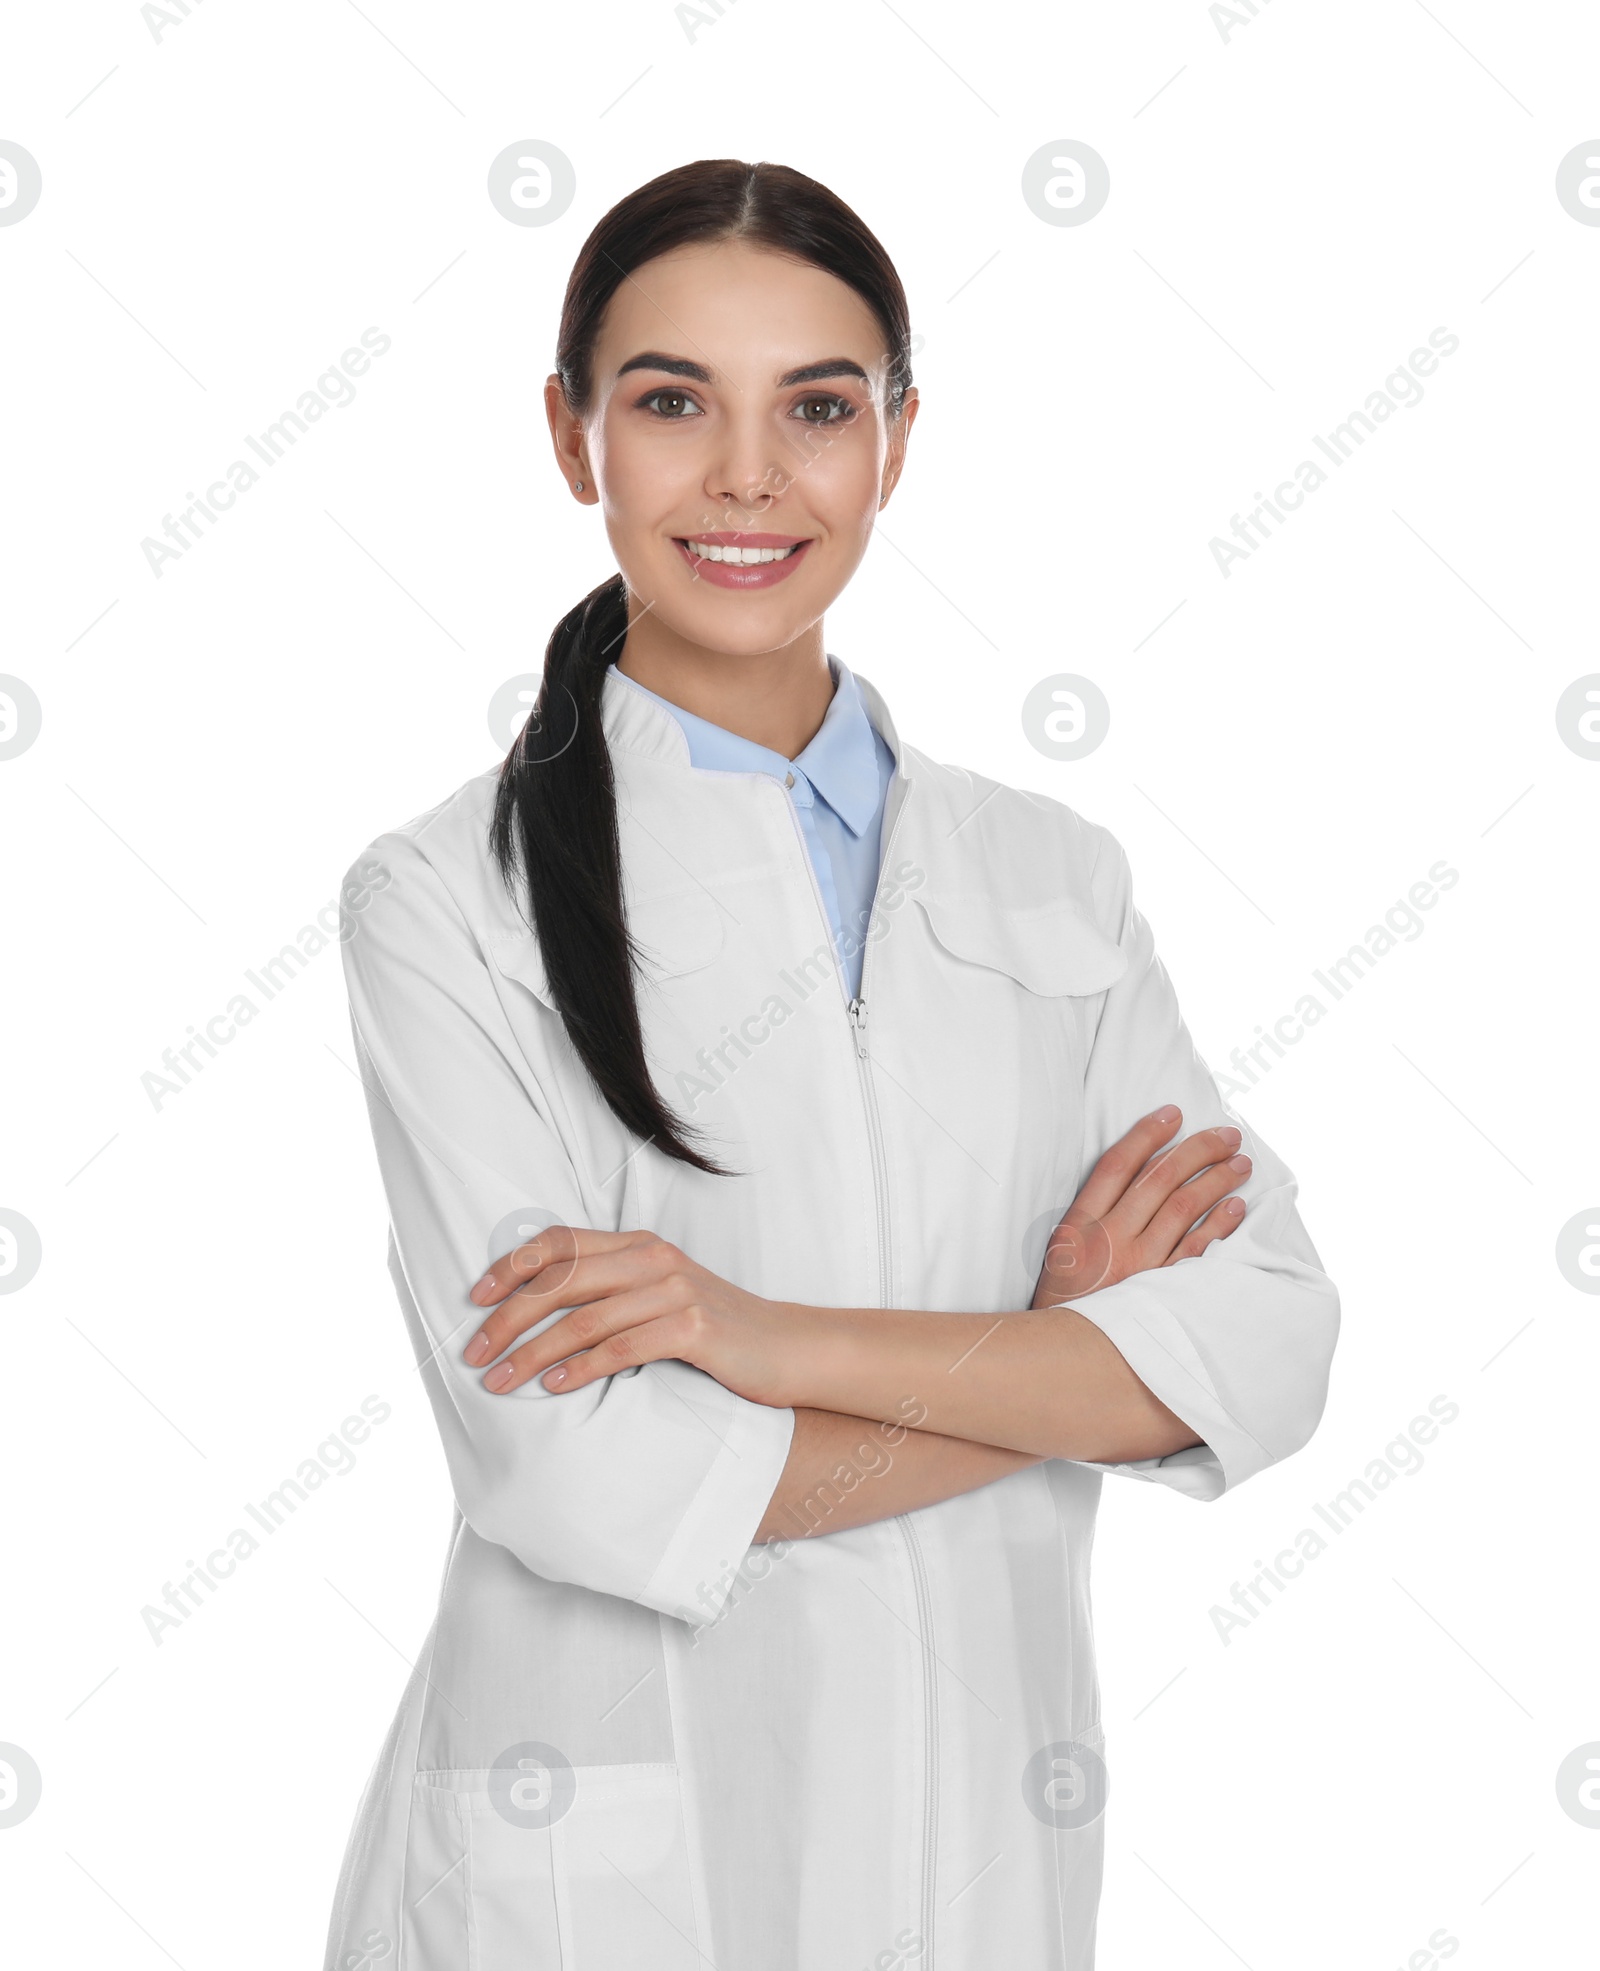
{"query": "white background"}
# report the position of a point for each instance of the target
(1370, 1761)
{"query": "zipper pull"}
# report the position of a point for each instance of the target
(858, 1019)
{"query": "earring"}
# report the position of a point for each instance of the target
(577, 485)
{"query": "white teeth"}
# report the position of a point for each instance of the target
(745, 556)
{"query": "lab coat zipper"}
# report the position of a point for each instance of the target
(919, 1571)
(869, 1097)
(880, 1175)
(857, 1012)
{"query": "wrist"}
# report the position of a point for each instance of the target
(815, 1355)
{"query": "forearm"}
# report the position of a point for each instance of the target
(1047, 1382)
(847, 1471)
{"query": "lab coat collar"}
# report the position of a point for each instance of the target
(637, 722)
(839, 761)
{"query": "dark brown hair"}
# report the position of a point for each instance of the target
(555, 807)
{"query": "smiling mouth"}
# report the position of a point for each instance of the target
(741, 550)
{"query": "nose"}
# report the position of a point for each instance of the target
(746, 475)
(739, 496)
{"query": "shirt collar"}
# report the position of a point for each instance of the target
(840, 761)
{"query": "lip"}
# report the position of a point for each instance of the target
(736, 539)
(761, 575)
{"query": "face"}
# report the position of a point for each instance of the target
(739, 404)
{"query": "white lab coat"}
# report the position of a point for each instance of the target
(876, 1747)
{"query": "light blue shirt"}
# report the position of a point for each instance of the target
(837, 784)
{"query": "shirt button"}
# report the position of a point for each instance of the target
(788, 780)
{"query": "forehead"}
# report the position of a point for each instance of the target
(746, 313)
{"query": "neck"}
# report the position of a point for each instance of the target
(776, 698)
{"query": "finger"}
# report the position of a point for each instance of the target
(666, 1338)
(1153, 1186)
(555, 1244)
(1123, 1161)
(1189, 1204)
(1217, 1224)
(643, 1325)
(570, 1283)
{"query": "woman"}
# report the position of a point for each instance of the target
(760, 1054)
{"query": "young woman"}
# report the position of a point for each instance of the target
(759, 1053)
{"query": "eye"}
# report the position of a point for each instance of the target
(843, 405)
(672, 396)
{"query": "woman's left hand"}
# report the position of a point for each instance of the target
(634, 1298)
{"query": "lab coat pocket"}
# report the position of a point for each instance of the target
(479, 1889)
(1051, 950)
(676, 935)
(622, 1872)
(1023, 988)
(603, 1882)
(677, 932)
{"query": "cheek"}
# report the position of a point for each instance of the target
(840, 473)
(640, 479)
(837, 494)
(649, 494)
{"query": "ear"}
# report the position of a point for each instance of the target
(895, 464)
(566, 437)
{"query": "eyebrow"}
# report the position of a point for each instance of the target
(653, 359)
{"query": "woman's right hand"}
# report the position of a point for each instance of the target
(1144, 1206)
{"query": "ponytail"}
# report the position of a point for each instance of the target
(555, 811)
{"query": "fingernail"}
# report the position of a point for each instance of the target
(1240, 1164)
(555, 1379)
(1229, 1135)
(478, 1349)
(486, 1281)
(1166, 1114)
(499, 1377)
(1234, 1207)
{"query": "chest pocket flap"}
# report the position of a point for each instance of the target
(1050, 949)
(676, 934)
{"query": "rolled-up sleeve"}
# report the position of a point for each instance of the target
(646, 1484)
(1237, 1340)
